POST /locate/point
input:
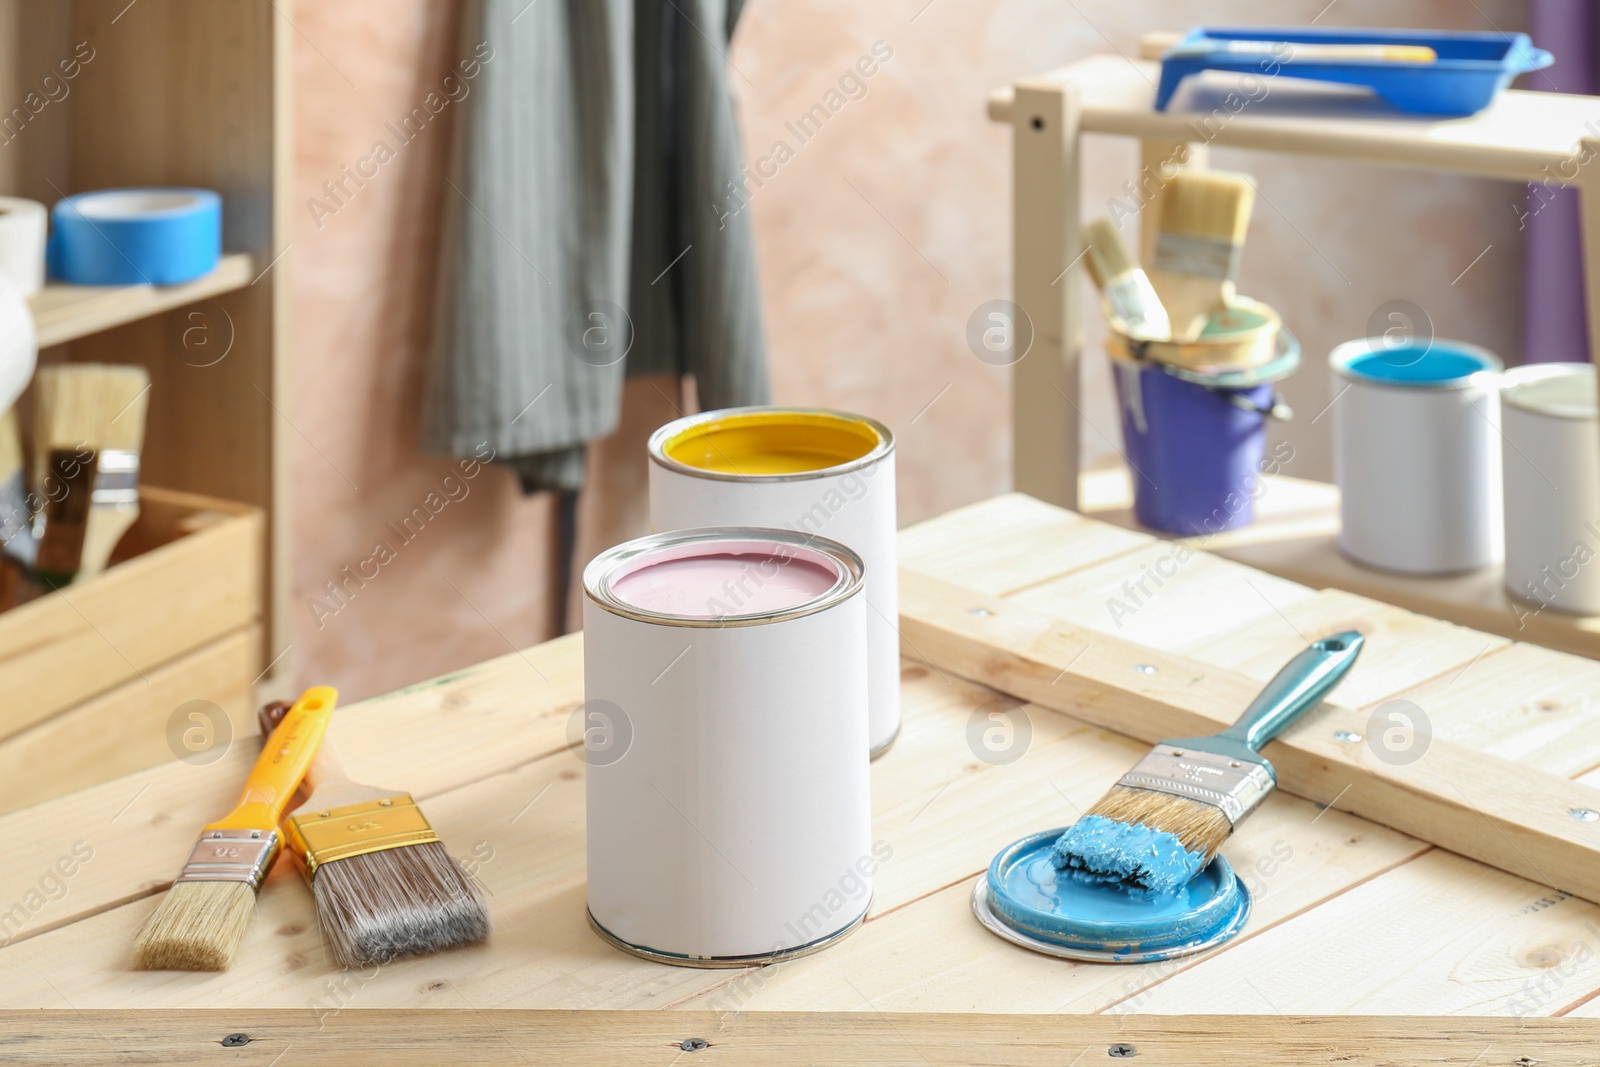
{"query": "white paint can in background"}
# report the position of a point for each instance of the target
(1416, 453)
(818, 473)
(1552, 486)
(725, 729)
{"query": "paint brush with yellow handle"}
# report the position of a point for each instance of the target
(202, 921)
(384, 885)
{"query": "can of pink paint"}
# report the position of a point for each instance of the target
(814, 472)
(725, 681)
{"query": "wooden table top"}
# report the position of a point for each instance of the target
(1350, 918)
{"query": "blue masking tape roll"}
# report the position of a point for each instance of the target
(135, 236)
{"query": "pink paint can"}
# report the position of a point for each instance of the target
(725, 684)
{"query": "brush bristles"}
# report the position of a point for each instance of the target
(10, 446)
(198, 927)
(97, 406)
(1207, 203)
(1107, 258)
(1199, 827)
(410, 901)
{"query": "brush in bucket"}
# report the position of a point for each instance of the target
(1165, 820)
(385, 888)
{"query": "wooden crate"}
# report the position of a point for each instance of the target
(93, 671)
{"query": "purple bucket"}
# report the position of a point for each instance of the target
(1195, 450)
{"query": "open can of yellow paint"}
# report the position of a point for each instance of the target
(815, 472)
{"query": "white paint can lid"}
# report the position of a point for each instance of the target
(1558, 390)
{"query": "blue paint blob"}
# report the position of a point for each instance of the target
(1142, 861)
(1031, 894)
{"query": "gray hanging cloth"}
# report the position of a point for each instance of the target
(587, 231)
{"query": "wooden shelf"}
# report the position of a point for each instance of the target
(1522, 136)
(64, 313)
(1295, 536)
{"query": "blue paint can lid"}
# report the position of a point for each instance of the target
(1026, 900)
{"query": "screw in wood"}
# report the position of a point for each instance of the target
(979, 612)
(1585, 814)
(694, 1044)
(1144, 668)
(1346, 735)
(236, 1041)
(1121, 1052)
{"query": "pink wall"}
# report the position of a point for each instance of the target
(876, 241)
(477, 581)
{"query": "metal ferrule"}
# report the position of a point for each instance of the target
(232, 856)
(320, 837)
(1207, 257)
(116, 478)
(1234, 786)
(16, 521)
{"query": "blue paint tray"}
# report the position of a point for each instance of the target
(1470, 68)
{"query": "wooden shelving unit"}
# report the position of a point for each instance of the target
(63, 313)
(1522, 137)
(161, 93)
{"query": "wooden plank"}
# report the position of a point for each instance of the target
(85, 639)
(1522, 136)
(1036, 542)
(1589, 224)
(470, 1038)
(1510, 817)
(1523, 703)
(127, 729)
(63, 313)
(1164, 596)
(1046, 282)
(1403, 649)
(1453, 938)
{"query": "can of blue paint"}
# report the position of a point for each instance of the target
(1416, 454)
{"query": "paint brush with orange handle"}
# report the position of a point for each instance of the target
(202, 921)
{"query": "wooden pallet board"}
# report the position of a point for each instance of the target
(1351, 918)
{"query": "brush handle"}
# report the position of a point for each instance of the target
(1303, 682)
(327, 766)
(282, 763)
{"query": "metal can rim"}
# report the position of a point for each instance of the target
(658, 440)
(1340, 358)
(1528, 373)
(597, 588)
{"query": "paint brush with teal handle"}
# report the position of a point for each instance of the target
(1165, 820)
